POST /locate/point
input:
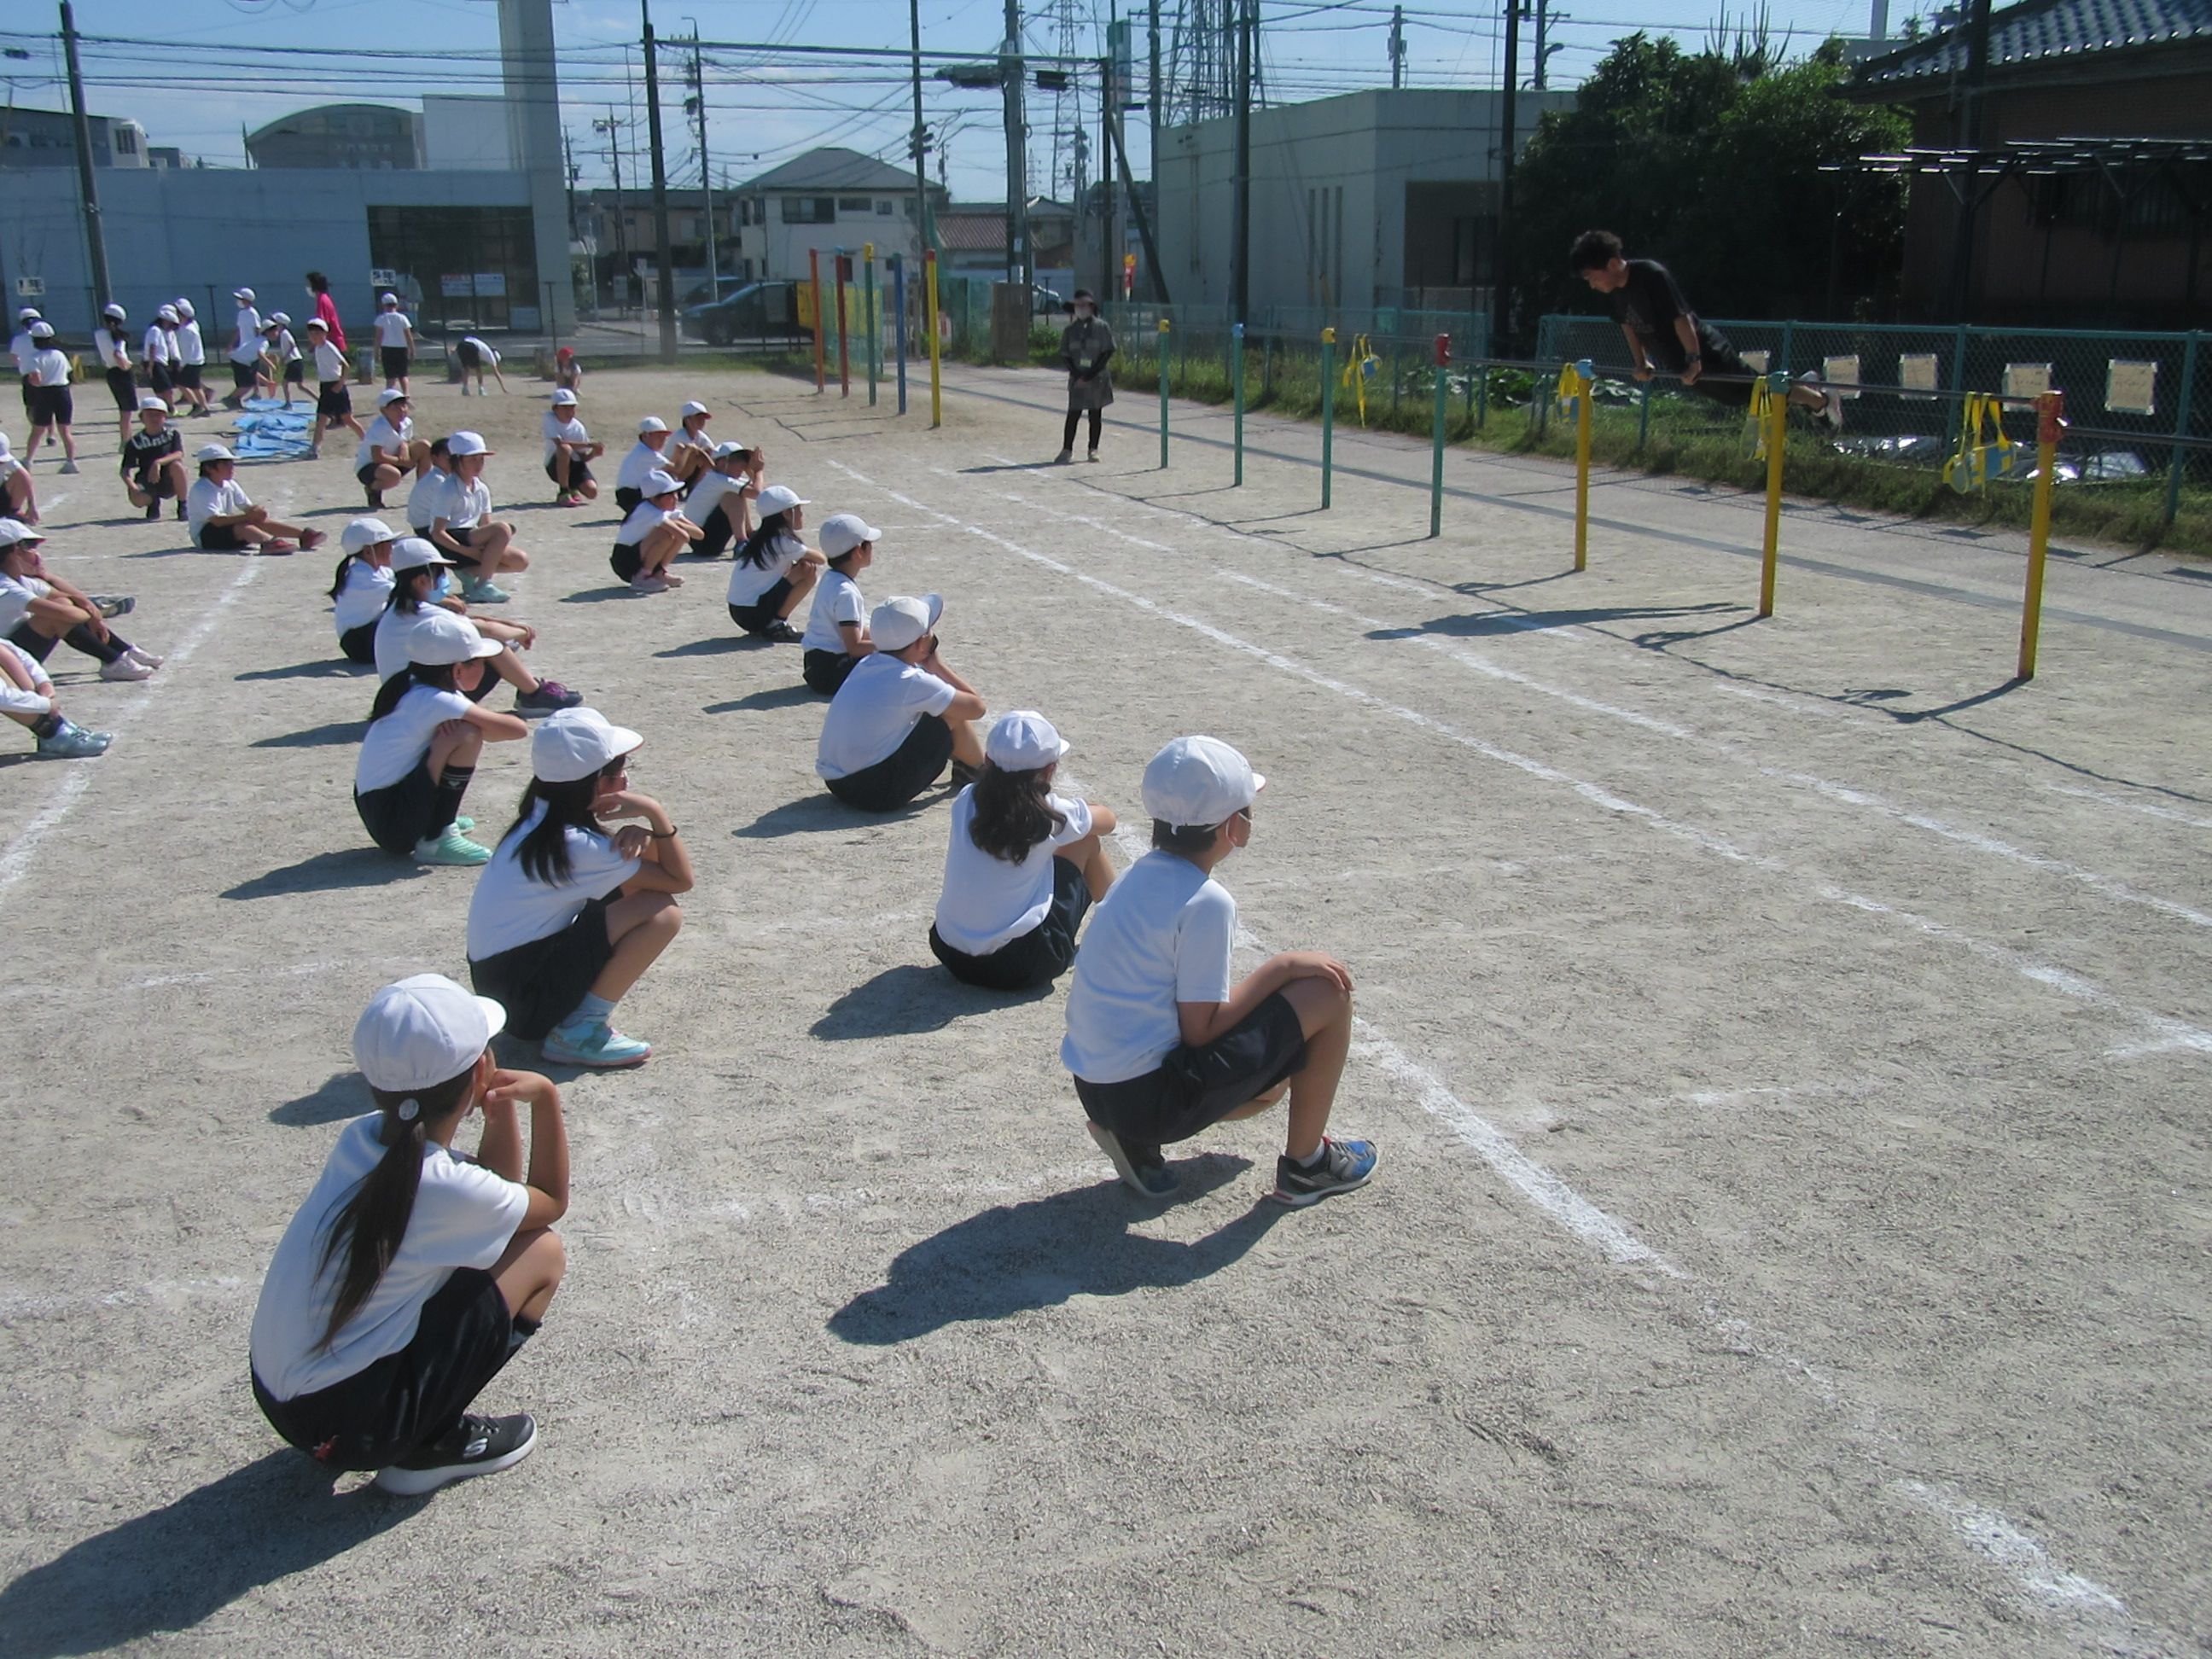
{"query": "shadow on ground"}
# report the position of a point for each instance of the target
(912, 997)
(344, 1096)
(316, 737)
(773, 696)
(1017, 1257)
(324, 873)
(327, 668)
(822, 811)
(1476, 625)
(176, 1567)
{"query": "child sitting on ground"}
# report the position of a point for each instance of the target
(424, 735)
(223, 519)
(482, 547)
(412, 1274)
(721, 503)
(37, 608)
(645, 457)
(836, 635)
(774, 570)
(899, 715)
(1022, 867)
(655, 531)
(153, 461)
(1161, 1043)
(569, 452)
(426, 496)
(360, 588)
(422, 586)
(28, 698)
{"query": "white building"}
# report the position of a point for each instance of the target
(824, 201)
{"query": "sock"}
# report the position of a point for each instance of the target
(452, 784)
(1314, 1162)
(519, 1333)
(47, 724)
(592, 1011)
(81, 638)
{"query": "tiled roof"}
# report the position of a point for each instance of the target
(832, 168)
(2044, 31)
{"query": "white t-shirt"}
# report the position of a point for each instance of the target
(112, 348)
(464, 1216)
(22, 348)
(395, 746)
(707, 495)
(558, 431)
(466, 505)
(190, 348)
(158, 345)
(987, 902)
(836, 600)
(13, 699)
(362, 598)
(16, 594)
(749, 581)
(330, 365)
(248, 344)
(382, 435)
(391, 327)
(643, 520)
(285, 349)
(50, 367)
(872, 712)
(426, 502)
(485, 355)
(1162, 935)
(207, 499)
(642, 458)
(511, 909)
(392, 628)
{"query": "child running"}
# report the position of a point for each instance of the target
(1161, 1042)
(774, 570)
(223, 518)
(569, 914)
(420, 588)
(333, 400)
(190, 357)
(28, 698)
(462, 523)
(361, 587)
(153, 461)
(644, 457)
(721, 503)
(424, 736)
(413, 1274)
(21, 348)
(285, 352)
(111, 343)
(836, 636)
(474, 356)
(245, 348)
(655, 531)
(899, 715)
(157, 350)
(570, 452)
(53, 409)
(38, 609)
(1023, 865)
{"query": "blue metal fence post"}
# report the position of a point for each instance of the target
(898, 302)
(1236, 382)
(2181, 427)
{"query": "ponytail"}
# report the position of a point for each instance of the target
(763, 541)
(1013, 812)
(439, 676)
(405, 599)
(338, 576)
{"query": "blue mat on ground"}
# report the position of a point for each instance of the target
(267, 431)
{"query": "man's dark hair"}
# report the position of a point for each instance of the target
(1187, 839)
(1593, 249)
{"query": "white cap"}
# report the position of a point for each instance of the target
(280, 318)
(658, 483)
(575, 743)
(146, 400)
(389, 396)
(468, 443)
(438, 637)
(26, 314)
(723, 451)
(1198, 782)
(317, 322)
(412, 553)
(422, 1032)
(245, 294)
(168, 314)
(564, 397)
(1022, 741)
(365, 532)
(901, 620)
(212, 452)
(780, 498)
(115, 311)
(651, 424)
(694, 407)
(389, 300)
(840, 533)
(184, 306)
(14, 534)
(42, 329)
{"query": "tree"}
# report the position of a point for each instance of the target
(1711, 162)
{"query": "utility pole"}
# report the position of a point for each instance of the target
(1543, 16)
(612, 127)
(924, 240)
(1012, 74)
(705, 169)
(1972, 99)
(1397, 48)
(1155, 162)
(665, 296)
(1110, 112)
(1501, 263)
(96, 238)
(1240, 246)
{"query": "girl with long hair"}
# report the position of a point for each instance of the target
(570, 912)
(413, 1273)
(423, 585)
(776, 570)
(360, 586)
(836, 635)
(420, 752)
(1022, 866)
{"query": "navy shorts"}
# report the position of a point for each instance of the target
(399, 815)
(764, 612)
(539, 984)
(122, 387)
(897, 778)
(394, 359)
(579, 470)
(359, 644)
(333, 401)
(1038, 956)
(825, 670)
(625, 560)
(1193, 1088)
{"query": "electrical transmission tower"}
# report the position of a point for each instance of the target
(1202, 63)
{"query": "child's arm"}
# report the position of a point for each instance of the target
(1202, 1022)
(935, 664)
(520, 634)
(857, 642)
(667, 867)
(495, 726)
(500, 1149)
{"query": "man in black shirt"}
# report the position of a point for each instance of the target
(1662, 328)
(153, 464)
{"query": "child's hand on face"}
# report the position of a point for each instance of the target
(624, 803)
(507, 1090)
(631, 841)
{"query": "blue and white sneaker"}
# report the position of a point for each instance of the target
(1344, 1165)
(597, 1044)
(1142, 1170)
(476, 591)
(450, 846)
(73, 742)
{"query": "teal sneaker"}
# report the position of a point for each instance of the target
(476, 591)
(73, 742)
(595, 1044)
(451, 846)
(464, 824)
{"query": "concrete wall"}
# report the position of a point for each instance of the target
(465, 134)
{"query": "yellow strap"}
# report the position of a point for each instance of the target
(1357, 367)
(1762, 403)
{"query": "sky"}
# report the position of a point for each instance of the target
(198, 73)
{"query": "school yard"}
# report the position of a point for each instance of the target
(1787, 1044)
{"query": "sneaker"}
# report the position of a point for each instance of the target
(125, 667)
(1063, 457)
(147, 657)
(112, 605)
(476, 591)
(782, 633)
(1142, 1170)
(476, 1445)
(180, 512)
(963, 775)
(568, 500)
(73, 742)
(451, 846)
(596, 1044)
(312, 539)
(1092, 456)
(68, 466)
(550, 695)
(464, 824)
(1344, 1164)
(643, 583)
(153, 509)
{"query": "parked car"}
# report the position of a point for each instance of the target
(757, 311)
(701, 292)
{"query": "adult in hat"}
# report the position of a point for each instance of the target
(111, 343)
(645, 456)
(153, 461)
(395, 343)
(425, 732)
(412, 1274)
(1162, 1041)
(569, 450)
(40, 608)
(1086, 348)
(223, 518)
(899, 715)
(571, 911)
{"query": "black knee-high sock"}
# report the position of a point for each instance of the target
(1067, 436)
(82, 638)
(31, 642)
(1096, 416)
(46, 724)
(452, 784)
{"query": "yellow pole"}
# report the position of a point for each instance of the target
(936, 381)
(1777, 432)
(1585, 384)
(2049, 423)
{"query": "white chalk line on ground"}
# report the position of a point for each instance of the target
(2148, 809)
(15, 863)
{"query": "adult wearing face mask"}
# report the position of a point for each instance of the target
(1086, 346)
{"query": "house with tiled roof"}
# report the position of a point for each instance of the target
(828, 199)
(2113, 235)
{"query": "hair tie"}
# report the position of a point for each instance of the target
(410, 1109)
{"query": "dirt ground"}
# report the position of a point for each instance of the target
(1786, 1041)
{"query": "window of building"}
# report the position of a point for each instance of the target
(883, 209)
(809, 211)
(463, 266)
(126, 141)
(852, 204)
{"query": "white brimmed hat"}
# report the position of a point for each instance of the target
(1198, 782)
(840, 533)
(389, 300)
(213, 452)
(658, 483)
(245, 294)
(14, 533)
(1022, 741)
(723, 451)
(780, 498)
(422, 1031)
(281, 320)
(184, 306)
(389, 396)
(564, 396)
(317, 322)
(28, 314)
(166, 314)
(901, 620)
(573, 743)
(694, 407)
(439, 637)
(148, 400)
(468, 443)
(413, 552)
(366, 532)
(115, 311)
(42, 329)
(650, 424)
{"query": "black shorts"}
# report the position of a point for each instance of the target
(625, 560)
(122, 387)
(1195, 1088)
(579, 470)
(159, 379)
(399, 815)
(539, 984)
(243, 375)
(1718, 356)
(359, 644)
(188, 375)
(393, 359)
(366, 476)
(1038, 956)
(31, 642)
(52, 406)
(463, 1337)
(333, 400)
(157, 481)
(219, 538)
(718, 533)
(625, 498)
(296, 372)
(911, 767)
(825, 670)
(764, 612)
(467, 355)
